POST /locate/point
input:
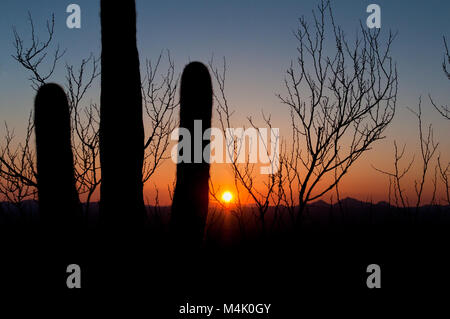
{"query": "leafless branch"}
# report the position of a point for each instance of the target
(428, 148)
(159, 99)
(395, 177)
(444, 110)
(17, 167)
(340, 104)
(245, 174)
(444, 174)
(32, 56)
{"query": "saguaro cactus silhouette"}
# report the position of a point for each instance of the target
(121, 126)
(58, 198)
(190, 201)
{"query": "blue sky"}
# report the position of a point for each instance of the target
(256, 39)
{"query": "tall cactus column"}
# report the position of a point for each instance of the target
(190, 201)
(121, 125)
(58, 198)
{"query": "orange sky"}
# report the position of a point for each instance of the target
(258, 51)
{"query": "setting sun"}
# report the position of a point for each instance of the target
(227, 197)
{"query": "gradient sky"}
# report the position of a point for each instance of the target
(256, 39)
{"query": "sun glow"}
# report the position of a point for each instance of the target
(227, 197)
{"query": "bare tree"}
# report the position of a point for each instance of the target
(340, 103)
(32, 56)
(84, 121)
(17, 159)
(159, 98)
(396, 177)
(444, 110)
(84, 124)
(428, 148)
(289, 166)
(245, 174)
(444, 174)
(17, 168)
(433, 200)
